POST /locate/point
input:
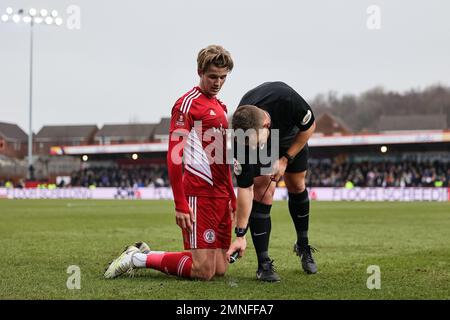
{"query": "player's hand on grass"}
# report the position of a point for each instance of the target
(239, 244)
(185, 220)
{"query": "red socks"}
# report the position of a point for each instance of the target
(174, 263)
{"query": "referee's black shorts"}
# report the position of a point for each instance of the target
(299, 164)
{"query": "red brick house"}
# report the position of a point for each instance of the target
(13, 141)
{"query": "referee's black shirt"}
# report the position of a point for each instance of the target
(288, 111)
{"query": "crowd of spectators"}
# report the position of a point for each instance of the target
(327, 173)
(321, 173)
(149, 176)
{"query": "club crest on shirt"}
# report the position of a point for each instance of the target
(209, 236)
(180, 120)
(307, 117)
(237, 168)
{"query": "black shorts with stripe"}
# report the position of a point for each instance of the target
(245, 172)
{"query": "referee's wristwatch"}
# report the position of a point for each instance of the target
(289, 158)
(240, 232)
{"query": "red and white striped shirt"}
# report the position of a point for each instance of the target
(202, 122)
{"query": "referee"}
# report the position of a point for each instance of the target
(272, 105)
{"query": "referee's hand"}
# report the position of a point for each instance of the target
(239, 244)
(279, 168)
(185, 220)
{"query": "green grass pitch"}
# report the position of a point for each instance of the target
(410, 242)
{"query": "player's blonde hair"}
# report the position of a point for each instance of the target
(214, 55)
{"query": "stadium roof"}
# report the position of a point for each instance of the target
(109, 148)
(141, 131)
(11, 131)
(413, 122)
(412, 137)
(406, 137)
(162, 128)
(71, 132)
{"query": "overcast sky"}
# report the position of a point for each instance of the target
(131, 60)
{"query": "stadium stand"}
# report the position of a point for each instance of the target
(322, 173)
(328, 173)
(125, 133)
(134, 155)
(150, 176)
(69, 135)
(161, 133)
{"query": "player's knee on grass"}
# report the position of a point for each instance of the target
(205, 274)
(221, 264)
(221, 268)
(204, 271)
(220, 273)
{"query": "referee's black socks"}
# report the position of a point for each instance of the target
(299, 209)
(260, 227)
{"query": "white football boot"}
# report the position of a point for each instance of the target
(143, 248)
(123, 264)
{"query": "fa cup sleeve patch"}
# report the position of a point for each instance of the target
(307, 117)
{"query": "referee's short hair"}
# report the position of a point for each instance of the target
(248, 117)
(214, 55)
